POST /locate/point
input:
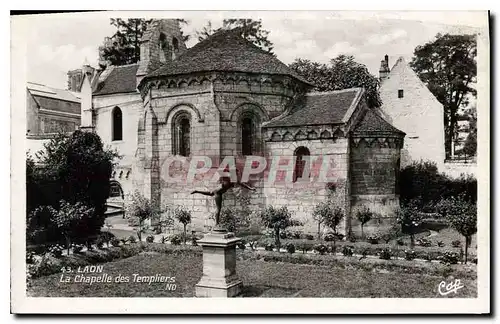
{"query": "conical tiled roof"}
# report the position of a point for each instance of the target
(374, 123)
(225, 51)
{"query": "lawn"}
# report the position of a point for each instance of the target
(264, 278)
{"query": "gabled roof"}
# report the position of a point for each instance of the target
(372, 122)
(37, 89)
(120, 79)
(320, 108)
(225, 51)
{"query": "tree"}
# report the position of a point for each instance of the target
(319, 212)
(68, 218)
(341, 73)
(184, 217)
(447, 65)
(142, 209)
(462, 216)
(249, 29)
(364, 215)
(73, 168)
(409, 218)
(125, 45)
(470, 147)
(332, 217)
(277, 219)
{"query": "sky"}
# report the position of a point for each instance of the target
(57, 43)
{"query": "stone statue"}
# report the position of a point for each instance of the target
(225, 185)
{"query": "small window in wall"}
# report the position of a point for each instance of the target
(117, 127)
(300, 162)
(401, 93)
(182, 134)
(247, 136)
(175, 44)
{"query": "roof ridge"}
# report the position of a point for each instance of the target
(125, 65)
(319, 93)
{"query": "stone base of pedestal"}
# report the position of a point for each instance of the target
(219, 266)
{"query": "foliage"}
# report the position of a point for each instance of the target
(440, 243)
(277, 219)
(456, 243)
(385, 254)
(242, 245)
(409, 218)
(424, 242)
(462, 216)
(184, 217)
(141, 209)
(410, 255)
(56, 250)
(329, 237)
(77, 248)
(373, 239)
(309, 237)
(342, 72)
(249, 29)
(150, 239)
(194, 241)
(290, 248)
(72, 168)
(333, 216)
(447, 65)
(175, 239)
(450, 258)
(115, 242)
(364, 215)
(304, 246)
(233, 220)
(269, 247)
(69, 218)
(400, 242)
(320, 248)
(347, 250)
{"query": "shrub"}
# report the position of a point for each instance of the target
(75, 169)
(352, 239)
(253, 241)
(364, 215)
(290, 248)
(115, 242)
(400, 242)
(347, 250)
(142, 209)
(194, 241)
(106, 237)
(456, 243)
(331, 248)
(309, 237)
(242, 245)
(77, 248)
(449, 258)
(428, 257)
(385, 254)
(150, 239)
(124, 240)
(410, 255)
(320, 248)
(386, 237)
(329, 237)
(132, 239)
(373, 239)
(304, 246)
(269, 246)
(440, 243)
(56, 250)
(163, 240)
(297, 235)
(277, 219)
(176, 239)
(409, 217)
(184, 217)
(285, 234)
(424, 242)
(99, 244)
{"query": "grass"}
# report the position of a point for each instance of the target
(346, 277)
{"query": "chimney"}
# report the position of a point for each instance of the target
(384, 68)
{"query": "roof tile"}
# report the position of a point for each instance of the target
(121, 79)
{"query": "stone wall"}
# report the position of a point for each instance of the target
(374, 171)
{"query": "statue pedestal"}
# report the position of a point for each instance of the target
(219, 266)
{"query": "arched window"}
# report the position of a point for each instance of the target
(182, 134)
(163, 47)
(117, 127)
(115, 190)
(247, 136)
(175, 44)
(300, 162)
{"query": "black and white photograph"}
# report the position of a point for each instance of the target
(220, 161)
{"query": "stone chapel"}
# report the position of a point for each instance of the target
(226, 97)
